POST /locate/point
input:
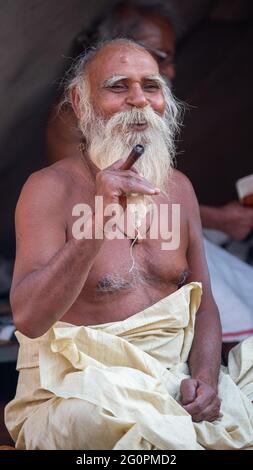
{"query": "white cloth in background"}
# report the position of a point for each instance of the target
(232, 286)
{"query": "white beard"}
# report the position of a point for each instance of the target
(107, 141)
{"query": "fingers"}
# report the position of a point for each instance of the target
(247, 201)
(137, 185)
(132, 158)
(116, 165)
(128, 181)
(206, 406)
(237, 209)
(113, 184)
(188, 390)
(135, 171)
(208, 413)
(121, 178)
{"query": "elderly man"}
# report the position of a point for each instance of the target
(112, 353)
(154, 25)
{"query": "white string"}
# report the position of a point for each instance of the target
(131, 250)
(137, 226)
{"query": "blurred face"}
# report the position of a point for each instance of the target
(157, 35)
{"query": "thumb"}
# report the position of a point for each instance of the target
(116, 165)
(188, 389)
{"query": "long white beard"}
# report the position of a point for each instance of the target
(107, 141)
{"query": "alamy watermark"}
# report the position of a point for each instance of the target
(113, 222)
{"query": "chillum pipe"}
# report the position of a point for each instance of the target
(133, 157)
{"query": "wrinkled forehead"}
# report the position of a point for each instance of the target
(124, 60)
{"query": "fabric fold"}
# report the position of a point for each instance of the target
(117, 385)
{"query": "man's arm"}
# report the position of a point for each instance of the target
(49, 271)
(233, 219)
(199, 395)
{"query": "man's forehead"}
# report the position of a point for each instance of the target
(122, 60)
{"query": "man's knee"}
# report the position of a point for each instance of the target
(71, 424)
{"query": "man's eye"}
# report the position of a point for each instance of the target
(117, 87)
(151, 86)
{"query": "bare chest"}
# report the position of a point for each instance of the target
(120, 266)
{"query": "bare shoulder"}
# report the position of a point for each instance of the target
(188, 199)
(182, 189)
(48, 187)
(182, 183)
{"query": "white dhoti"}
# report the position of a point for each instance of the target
(232, 282)
(116, 385)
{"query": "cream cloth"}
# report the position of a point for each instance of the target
(116, 385)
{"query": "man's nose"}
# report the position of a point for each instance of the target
(136, 97)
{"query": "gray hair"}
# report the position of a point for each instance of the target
(76, 77)
(78, 80)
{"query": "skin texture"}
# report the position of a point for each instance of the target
(56, 276)
(128, 92)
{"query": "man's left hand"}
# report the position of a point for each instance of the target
(200, 400)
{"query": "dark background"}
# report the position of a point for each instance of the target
(214, 76)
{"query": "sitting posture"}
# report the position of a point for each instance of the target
(120, 338)
(154, 26)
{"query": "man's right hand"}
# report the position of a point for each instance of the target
(113, 183)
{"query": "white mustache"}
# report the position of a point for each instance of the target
(124, 120)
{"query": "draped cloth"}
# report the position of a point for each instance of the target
(116, 385)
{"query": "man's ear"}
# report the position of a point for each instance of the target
(75, 100)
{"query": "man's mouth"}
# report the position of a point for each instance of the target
(139, 126)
